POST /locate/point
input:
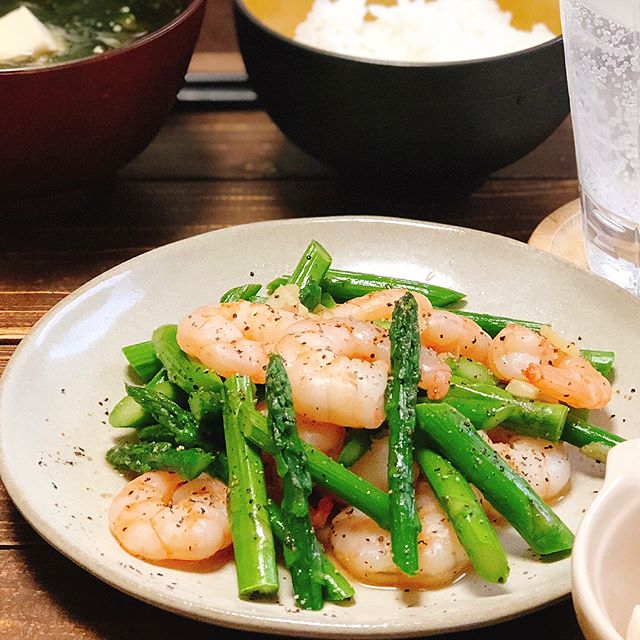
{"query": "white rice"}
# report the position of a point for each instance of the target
(416, 30)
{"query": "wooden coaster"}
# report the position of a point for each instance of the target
(561, 233)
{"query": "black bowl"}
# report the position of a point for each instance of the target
(437, 123)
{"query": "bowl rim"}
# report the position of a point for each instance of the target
(241, 6)
(185, 14)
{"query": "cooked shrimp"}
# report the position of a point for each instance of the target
(543, 464)
(435, 374)
(158, 516)
(326, 437)
(378, 305)
(521, 354)
(364, 548)
(442, 331)
(447, 332)
(335, 371)
(514, 349)
(235, 337)
(571, 380)
(373, 465)
(338, 371)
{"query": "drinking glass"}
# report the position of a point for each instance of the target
(602, 50)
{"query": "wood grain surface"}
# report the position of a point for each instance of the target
(204, 171)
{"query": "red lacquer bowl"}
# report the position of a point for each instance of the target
(69, 126)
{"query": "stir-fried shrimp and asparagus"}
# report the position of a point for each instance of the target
(356, 424)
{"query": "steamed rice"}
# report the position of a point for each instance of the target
(416, 30)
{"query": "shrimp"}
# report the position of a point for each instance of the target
(543, 464)
(573, 381)
(521, 354)
(364, 548)
(373, 465)
(514, 349)
(235, 337)
(435, 374)
(378, 305)
(338, 371)
(441, 331)
(335, 371)
(447, 332)
(328, 438)
(159, 516)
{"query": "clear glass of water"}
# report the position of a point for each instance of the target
(602, 48)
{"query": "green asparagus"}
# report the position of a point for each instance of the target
(243, 292)
(452, 435)
(470, 522)
(302, 554)
(143, 359)
(325, 472)
(309, 273)
(335, 586)
(357, 443)
(254, 548)
(152, 456)
(400, 400)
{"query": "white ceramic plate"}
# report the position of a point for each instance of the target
(68, 371)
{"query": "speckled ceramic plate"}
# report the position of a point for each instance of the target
(66, 374)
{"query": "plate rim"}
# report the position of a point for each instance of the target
(219, 615)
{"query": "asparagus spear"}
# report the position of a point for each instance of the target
(309, 272)
(156, 433)
(325, 472)
(206, 407)
(143, 359)
(203, 386)
(467, 516)
(243, 292)
(302, 554)
(601, 361)
(358, 442)
(335, 586)
(487, 406)
(593, 442)
(454, 438)
(327, 301)
(400, 400)
(470, 371)
(179, 423)
(182, 370)
(253, 543)
(151, 456)
(346, 285)
(484, 413)
(128, 413)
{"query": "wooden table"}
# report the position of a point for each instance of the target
(207, 170)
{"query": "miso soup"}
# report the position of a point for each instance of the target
(90, 27)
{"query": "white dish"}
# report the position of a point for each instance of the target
(68, 371)
(606, 583)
